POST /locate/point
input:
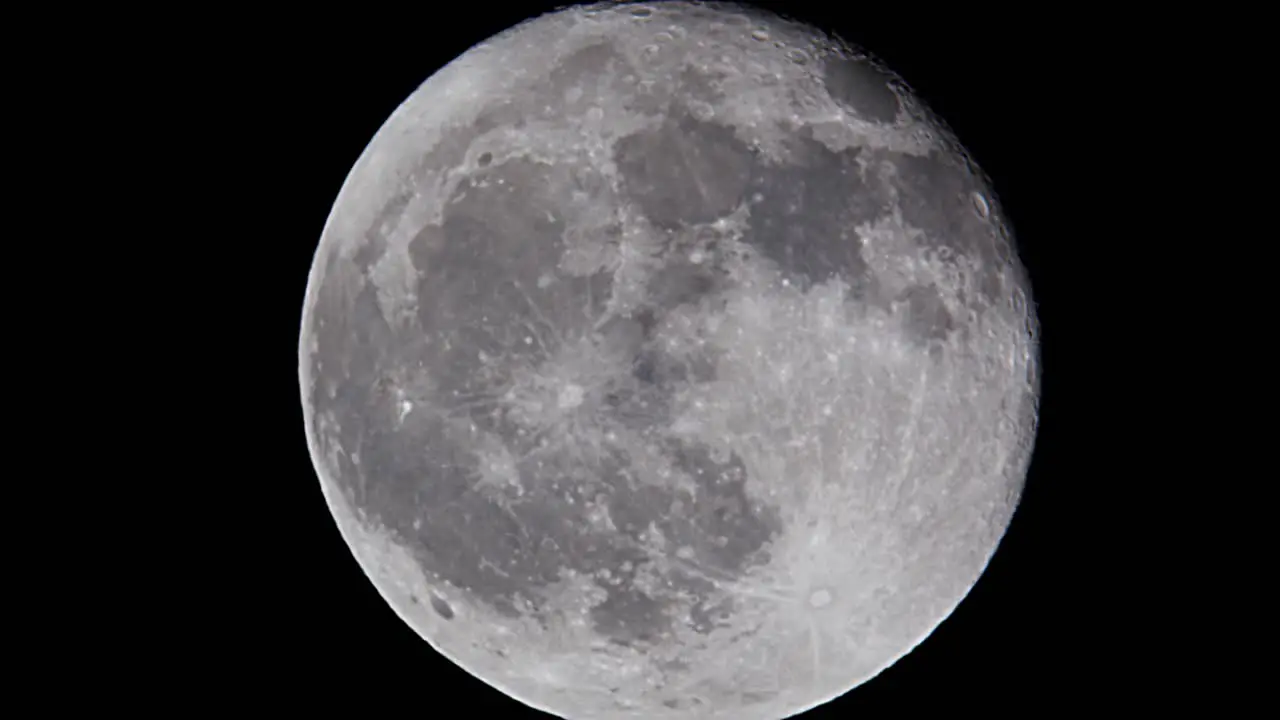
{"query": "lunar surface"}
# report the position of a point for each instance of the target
(669, 361)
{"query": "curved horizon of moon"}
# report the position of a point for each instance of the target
(669, 361)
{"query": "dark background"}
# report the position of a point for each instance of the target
(1028, 93)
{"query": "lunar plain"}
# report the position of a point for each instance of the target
(669, 360)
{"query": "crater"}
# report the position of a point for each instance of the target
(441, 607)
(862, 87)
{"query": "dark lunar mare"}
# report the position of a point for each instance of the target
(808, 211)
(419, 477)
(805, 212)
(936, 194)
(685, 172)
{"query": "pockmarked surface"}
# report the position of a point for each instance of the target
(669, 362)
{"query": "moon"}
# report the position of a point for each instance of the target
(669, 361)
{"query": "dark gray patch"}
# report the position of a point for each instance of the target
(375, 239)
(441, 607)
(639, 405)
(420, 483)
(352, 337)
(935, 194)
(478, 291)
(707, 616)
(642, 401)
(629, 616)
(725, 530)
(720, 523)
(698, 84)
(685, 703)
(684, 172)
(447, 153)
(927, 315)
(369, 331)
(861, 86)
(624, 335)
(664, 371)
(807, 213)
(751, 697)
(596, 70)
(478, 288)
(505, 113)
(582, 69)
(680, 282)
(633, 508)
(345, 365)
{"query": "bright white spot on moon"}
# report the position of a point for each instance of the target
(695, 257)
(570, 396)
(980, 205)
(820, 598)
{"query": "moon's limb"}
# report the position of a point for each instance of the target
(640, 397)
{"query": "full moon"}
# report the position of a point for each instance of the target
(669, 361)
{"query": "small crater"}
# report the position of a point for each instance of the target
(441, 607)
(641, 12)
(980, 205)
(484, 159)
(760, 35)
(798, 56)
